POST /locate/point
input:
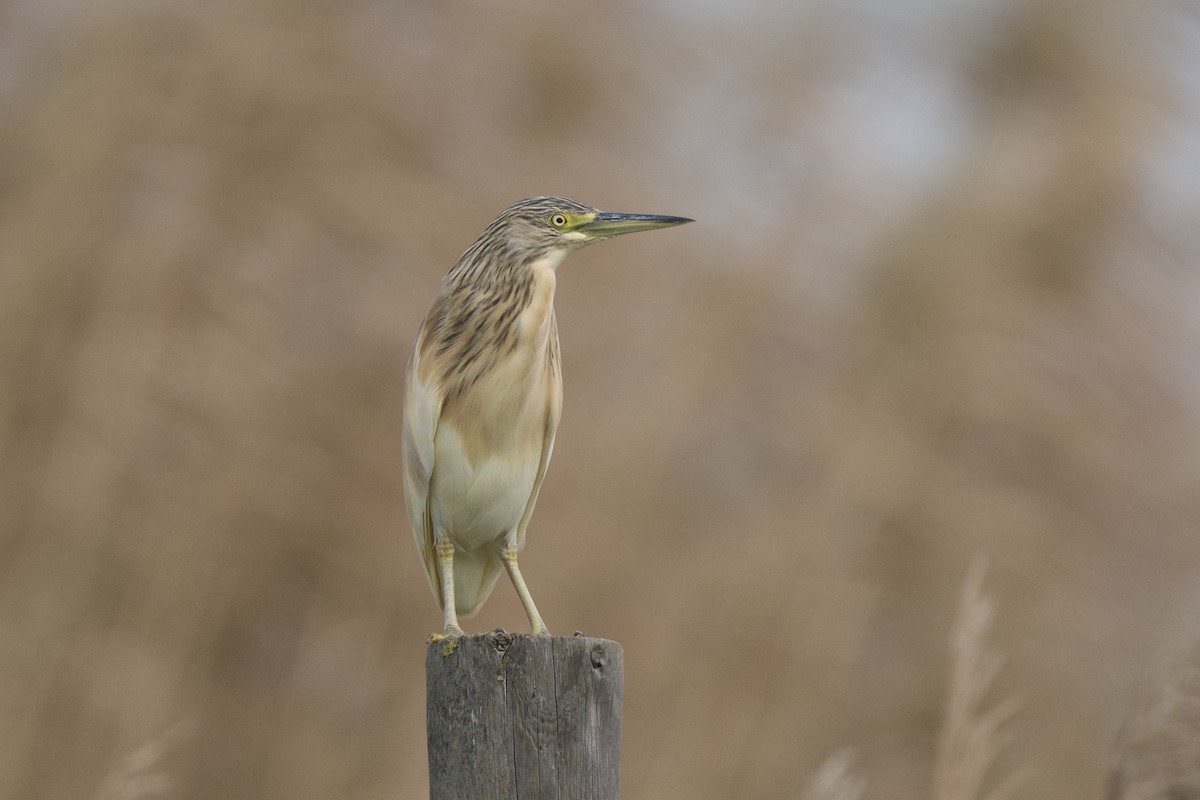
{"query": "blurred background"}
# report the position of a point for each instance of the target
(940, 302)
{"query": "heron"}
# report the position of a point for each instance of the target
(483, 397)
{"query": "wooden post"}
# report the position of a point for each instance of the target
(524, 716)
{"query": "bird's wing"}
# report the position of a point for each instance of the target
(422, 410)
(553, 413)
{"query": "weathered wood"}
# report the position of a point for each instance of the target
(519, 716)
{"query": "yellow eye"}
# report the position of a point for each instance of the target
(558, 220)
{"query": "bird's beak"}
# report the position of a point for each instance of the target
(608, 223)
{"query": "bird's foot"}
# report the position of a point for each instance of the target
(451, 632)
(449, 639)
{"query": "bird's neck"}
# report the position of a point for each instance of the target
(548, 261)
(480, 324)
(536, 320)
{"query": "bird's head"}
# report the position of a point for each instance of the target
(540, 226)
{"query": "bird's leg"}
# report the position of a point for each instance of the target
(509, 556)
(445, 560)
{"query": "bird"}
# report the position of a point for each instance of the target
(483, 397)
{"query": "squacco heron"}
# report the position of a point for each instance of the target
(484, 394)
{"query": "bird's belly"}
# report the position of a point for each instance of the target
(477, 501)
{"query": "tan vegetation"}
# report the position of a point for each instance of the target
(940, 301)
(1156, 753)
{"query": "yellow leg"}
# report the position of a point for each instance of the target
(445, 562)
(509, 556)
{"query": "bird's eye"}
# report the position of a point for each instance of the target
(558, 220)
